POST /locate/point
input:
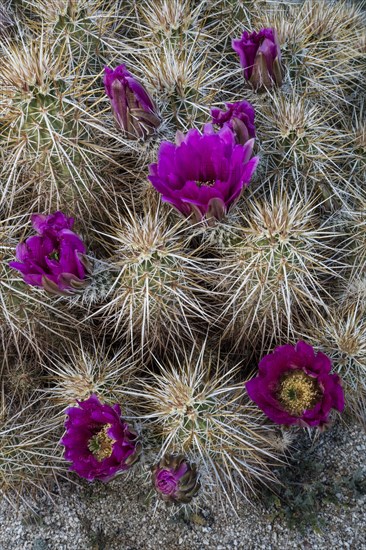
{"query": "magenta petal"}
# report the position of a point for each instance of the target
(45, 257)
(269, 50)
(162, 186)
(178, 204)
(51, 224)
(22, 253)
(36, 249)
(83, 424)
(200, 168)
(249, 169)
(38, 222)
(142, 95)
(337, 393)
(166, 158)
(23, 268)
(184, 164)
(263, 389)
(257, 53)
(321, 364)
(34, 279)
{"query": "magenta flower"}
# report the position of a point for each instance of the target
(133, 108)
(260, 57)
(239, 117)
(294, 386)
(203, 174)
(54, 258)
(175, 479)
(98, 442)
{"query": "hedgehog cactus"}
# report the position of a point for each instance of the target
(159, 280)
(341, 335)
(29, 457)
(80, 369)
(75, 28)
(197, 405)
(249, 231)
(45, 132)
(273, 264)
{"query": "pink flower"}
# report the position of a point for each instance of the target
(53, 259)
(294, 386)
(203, 174)
(175, 479)
(133, 108)
(239, 117)
(98, 442)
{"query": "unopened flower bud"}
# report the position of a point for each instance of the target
(175, 479)
(133, 108)
(260, 57)
(239, 116)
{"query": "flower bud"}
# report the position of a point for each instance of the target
(133, 109)
(175, 479)
(260, 57)
(239, 116)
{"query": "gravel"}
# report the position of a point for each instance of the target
(118, 516)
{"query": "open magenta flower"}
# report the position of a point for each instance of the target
(133, 108)
(175, 479)
(98, 442)
(203, 174)
(239, 116)
(54, 258)
(260, 57)
(294, 386)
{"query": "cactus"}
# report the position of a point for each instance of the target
(320, 45)
(76, 28)
(157, 286)
(49, 154)
(275, 265)
(29, 457)
(283, 261)
(76, 372)
(341, 335)
(196, 405)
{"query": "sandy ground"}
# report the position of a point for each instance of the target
(324, 507)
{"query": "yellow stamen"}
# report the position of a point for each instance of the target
(101, 445)
(298, 392)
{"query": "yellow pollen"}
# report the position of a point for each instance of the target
(298, 392)
(210, 183)
(101, 445)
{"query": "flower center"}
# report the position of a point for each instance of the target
(101, 445)
(54, 255)
(209, 183)
(298, 392)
